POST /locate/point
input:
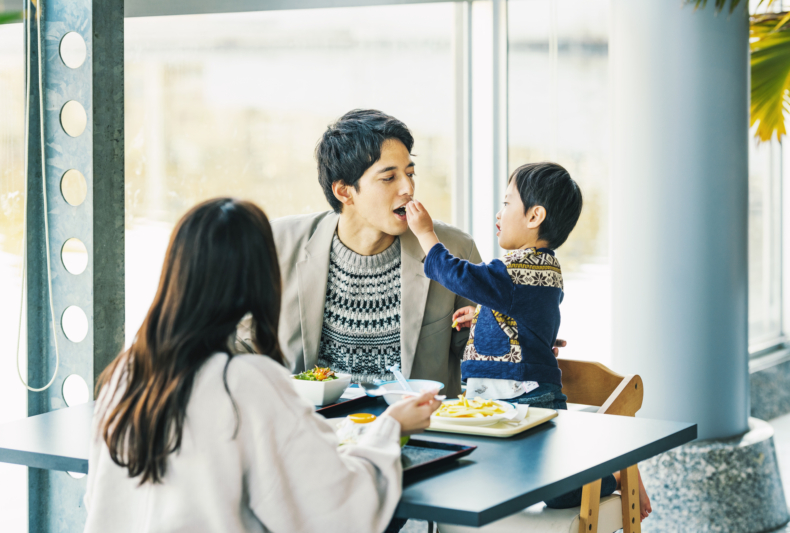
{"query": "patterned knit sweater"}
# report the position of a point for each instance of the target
(518, 316)
(361, 331)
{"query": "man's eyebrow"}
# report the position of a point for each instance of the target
(387, 169)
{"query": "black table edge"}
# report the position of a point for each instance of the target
(481, 518)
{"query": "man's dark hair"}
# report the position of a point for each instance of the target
(352, 145)
(551, 186)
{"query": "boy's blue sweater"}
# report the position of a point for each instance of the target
(518, 312)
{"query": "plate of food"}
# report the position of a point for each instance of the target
(321, 386)
(475, 412)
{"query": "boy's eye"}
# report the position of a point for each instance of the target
(389, 179)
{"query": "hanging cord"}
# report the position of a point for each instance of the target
(39, 9)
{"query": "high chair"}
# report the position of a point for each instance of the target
(591, 384)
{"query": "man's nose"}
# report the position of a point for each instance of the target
(407, 187)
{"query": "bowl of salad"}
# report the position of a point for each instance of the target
(321, 386)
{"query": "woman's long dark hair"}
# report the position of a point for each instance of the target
(220, 265)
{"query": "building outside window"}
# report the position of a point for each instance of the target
(558, 110)
(765, 245)
(13, 397)
(234, 104)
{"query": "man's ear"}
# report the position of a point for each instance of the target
(535, 216)
(343, 193)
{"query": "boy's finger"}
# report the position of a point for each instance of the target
(465, 318)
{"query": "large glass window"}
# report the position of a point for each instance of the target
(558, 110)
(13, 397)
(234, 104)
(765, 245)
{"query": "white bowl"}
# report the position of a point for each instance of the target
(482, 421)
(322, 392)
(416, 385)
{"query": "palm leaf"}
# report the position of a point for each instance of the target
(770, 59)
(721, 4)
(8, 17)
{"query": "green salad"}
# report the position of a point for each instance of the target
(317, 374)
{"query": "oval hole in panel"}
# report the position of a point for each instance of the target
(74, 256)
(74, 323)
(73, 50)
(73, 187)
(76, 475)
(73, 118)
(75, 390)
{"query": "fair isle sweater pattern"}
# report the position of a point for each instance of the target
(361, 330)
(518, 316)
(525, 267)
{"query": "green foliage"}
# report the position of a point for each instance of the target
(770, 47)
(769, 40)
(8, 17)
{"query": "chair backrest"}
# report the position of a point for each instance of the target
(590, 383)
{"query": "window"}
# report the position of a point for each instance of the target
(558, 110)
(234, 104)
(765, 245)
(13, 397)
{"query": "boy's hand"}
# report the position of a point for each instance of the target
(462, 318)
(421, 225)
(559, 343)
(419, 219)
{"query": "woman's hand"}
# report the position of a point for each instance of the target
(462, 318)
(414, 414)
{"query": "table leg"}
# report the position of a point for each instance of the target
(629, 489)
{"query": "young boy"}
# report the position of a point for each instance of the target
(509, 353)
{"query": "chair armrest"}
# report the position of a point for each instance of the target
(626, 399)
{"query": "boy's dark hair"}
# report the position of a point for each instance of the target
(352, 145)
(551, 186)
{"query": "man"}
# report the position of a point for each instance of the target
(355, 297)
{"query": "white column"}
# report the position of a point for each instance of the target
(679, 209)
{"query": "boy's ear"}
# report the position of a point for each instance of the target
(343, 193)
(535, 216)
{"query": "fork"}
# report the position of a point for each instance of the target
(375, 390)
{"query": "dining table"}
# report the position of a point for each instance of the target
(500, 477)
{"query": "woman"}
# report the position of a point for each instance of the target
(189, 438)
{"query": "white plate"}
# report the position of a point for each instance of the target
(482, 421)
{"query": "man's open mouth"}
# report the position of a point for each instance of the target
(400, 211)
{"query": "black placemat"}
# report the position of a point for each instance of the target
(344, 407)
(420, 456)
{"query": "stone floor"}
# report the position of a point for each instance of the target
(781, 426)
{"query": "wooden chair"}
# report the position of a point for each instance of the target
(592, 384)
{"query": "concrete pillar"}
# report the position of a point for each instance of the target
(679, 209)
(96, 151)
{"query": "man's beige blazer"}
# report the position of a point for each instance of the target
(430, 348)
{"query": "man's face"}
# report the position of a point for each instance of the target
(385, 189)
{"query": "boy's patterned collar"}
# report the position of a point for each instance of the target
(531, 251)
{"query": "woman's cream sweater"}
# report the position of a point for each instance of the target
(283, 472)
